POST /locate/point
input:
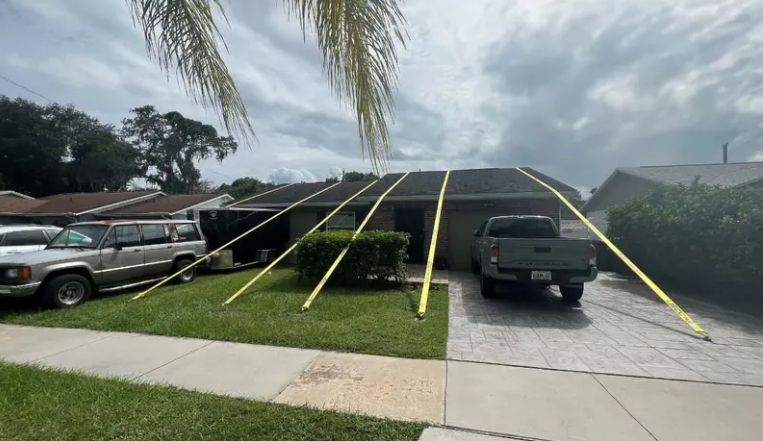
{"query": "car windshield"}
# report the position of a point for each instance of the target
(79, 236)
(522, 228)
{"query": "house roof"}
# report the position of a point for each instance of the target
(78, 203)
(13, 204)
(725, 175)
(474, 182)
(14, 194)
(170, 203)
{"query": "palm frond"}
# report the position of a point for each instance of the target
(182, 34)
(357, 39)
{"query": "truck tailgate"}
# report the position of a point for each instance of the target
(543, 254)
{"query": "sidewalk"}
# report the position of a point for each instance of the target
(502, 400)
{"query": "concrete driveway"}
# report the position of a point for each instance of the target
(619, 327)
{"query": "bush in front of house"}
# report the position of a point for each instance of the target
(693, 235)
(376, 255)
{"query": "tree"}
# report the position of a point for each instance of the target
(171, 144)
(243, 187)
(332, 179)
(356, 38)
(354, 176)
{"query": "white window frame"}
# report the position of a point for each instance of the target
(343, 215)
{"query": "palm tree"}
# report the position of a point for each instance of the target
(357, 39)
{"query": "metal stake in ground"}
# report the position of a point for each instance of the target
(660, 293)
(432, 246)
(232, 241)
(286, 253)
(333, 267)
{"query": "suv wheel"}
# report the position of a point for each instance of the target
(67, 291)
(186, 276)
(571, 293)
(487, 286)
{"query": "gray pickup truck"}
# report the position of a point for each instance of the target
(103, 256)
(528, 249)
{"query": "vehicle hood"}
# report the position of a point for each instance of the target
(44, 256)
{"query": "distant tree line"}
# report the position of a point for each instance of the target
(54, 149)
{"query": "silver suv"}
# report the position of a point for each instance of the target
(103, 256)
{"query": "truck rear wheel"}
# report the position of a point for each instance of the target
(487, 286)
(66, 291)
(571, 293)
(188, 274)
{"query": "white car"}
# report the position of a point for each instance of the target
(16, 239)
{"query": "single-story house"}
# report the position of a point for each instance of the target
(63, 209)
(471, 197)
(169, 206)
(625, 183)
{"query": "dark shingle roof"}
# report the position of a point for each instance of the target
(461, 182)
(725, 175)
(79, 202)
(171, 203)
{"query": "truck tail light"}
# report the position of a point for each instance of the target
(494, 253)
(591, 255)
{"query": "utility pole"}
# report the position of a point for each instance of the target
(726, 153)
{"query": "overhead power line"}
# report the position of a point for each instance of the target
(25, 88)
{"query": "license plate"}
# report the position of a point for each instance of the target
(541, 275)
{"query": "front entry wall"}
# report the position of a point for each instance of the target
(460, 219)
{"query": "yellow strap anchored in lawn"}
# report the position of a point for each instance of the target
(258, 195)
(232, 241)
(660, 293)
(286, 253)
(432, 246)
(333, 267)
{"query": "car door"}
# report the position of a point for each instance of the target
(477, 242)
(157, 246)
(122, 255)
(24, 241)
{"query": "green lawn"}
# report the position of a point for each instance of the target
(45, 405)
(370, 322)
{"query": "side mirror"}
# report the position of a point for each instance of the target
(476, 232)
(118, 247)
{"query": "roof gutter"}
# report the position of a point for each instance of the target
(121, 204)
(205, 202)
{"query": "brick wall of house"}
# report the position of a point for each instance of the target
(384, 217)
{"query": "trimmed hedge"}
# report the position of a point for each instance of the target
(693, 235)
(376, 255)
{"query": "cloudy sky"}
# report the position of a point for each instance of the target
(572, 88)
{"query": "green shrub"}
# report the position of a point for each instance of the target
(693, 235)
(376, 255)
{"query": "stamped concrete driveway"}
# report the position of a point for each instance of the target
(619, 327)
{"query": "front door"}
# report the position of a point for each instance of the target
(411, 221)
(122, 256)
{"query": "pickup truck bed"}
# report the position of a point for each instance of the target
(541, 258)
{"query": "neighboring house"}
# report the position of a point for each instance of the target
(15, 194)
(63, 209)
(630, 182)
(174, 206)
(471, 197)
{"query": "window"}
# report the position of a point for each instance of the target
(184, 233)
(155, 234)
(126, 236)
(523, 228)
(341, 221)
(86, 236)
(25, 238)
